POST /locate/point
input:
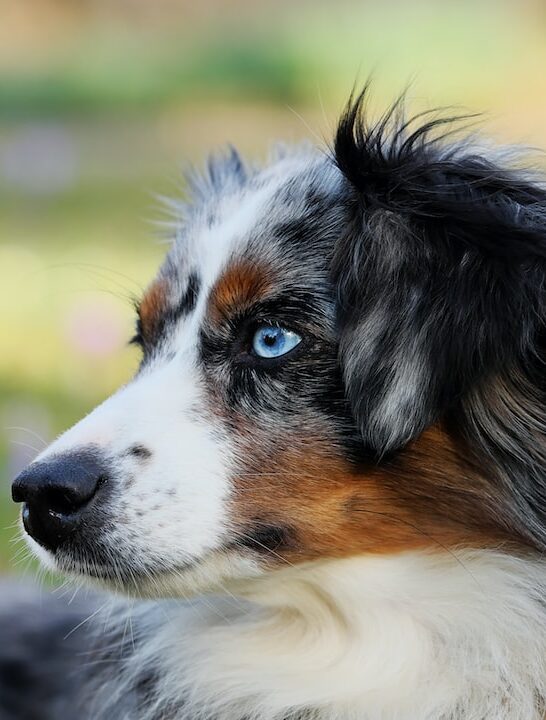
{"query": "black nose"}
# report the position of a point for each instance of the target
(56, 493)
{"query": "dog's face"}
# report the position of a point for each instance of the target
(310, 371)
(232, 405)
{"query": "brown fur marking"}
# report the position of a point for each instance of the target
(239, 287)
(427, 498)
(152, 306)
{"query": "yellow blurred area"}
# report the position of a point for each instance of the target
(101, 105)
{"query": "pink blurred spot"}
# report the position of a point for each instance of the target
(94, 328)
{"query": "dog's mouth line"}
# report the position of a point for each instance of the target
(117, 573)
(73, 560)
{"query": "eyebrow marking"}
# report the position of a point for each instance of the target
(152, 306)
(241, 285)
(156, 313)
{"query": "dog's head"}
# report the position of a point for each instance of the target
(341, 354)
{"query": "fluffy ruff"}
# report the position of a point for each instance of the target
(452, 636)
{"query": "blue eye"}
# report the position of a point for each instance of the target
(271, 342)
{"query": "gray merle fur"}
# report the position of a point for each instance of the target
(441, 284)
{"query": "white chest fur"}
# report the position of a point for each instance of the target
(409, 637)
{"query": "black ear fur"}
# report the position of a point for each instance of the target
(441, 274)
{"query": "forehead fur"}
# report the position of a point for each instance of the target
(240, 229)
(235, 211)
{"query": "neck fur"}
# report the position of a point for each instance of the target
(407, 637)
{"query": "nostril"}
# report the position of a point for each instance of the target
(62, 502)
(67, 499)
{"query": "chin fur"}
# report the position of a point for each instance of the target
(213, 573)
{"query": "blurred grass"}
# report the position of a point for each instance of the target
(281, 52)
(101, 102)
(248, 70)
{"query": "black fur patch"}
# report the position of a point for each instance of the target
(189, 299)
(149, 338)
(265, 538)
(141, 452)
(442, 275)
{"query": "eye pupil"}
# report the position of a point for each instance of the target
(271, 342)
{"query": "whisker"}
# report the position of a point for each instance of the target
(29, 431)
(25, 445)
(84, 621)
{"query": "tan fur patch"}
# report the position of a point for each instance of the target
(427, 498)
(152, 306)
(239, 287)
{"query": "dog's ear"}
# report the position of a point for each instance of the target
(440, 274)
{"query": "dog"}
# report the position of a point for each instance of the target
(324, 489)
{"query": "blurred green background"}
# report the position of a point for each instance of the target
(102, 102)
